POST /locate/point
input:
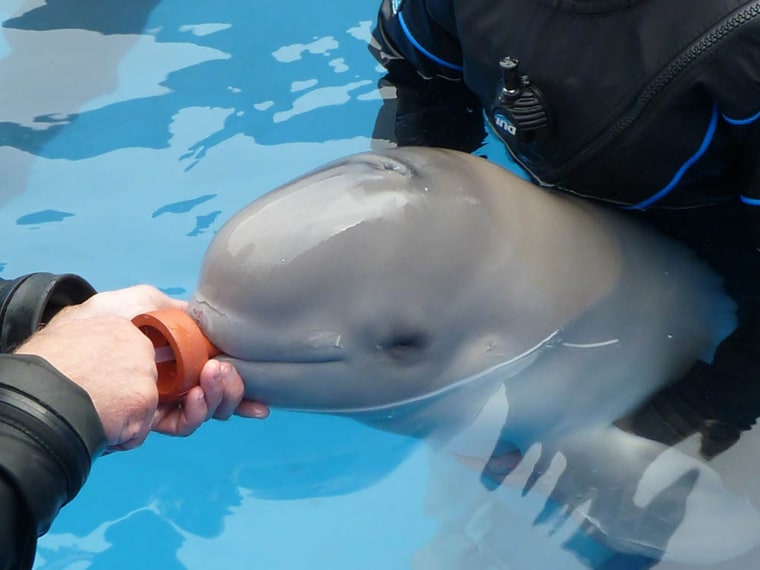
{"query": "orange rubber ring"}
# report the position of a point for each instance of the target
(176, 329)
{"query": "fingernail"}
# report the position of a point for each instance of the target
(226, 370)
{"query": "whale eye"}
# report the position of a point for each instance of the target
(404, 345)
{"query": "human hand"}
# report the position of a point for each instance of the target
(96, 345)
(112, 361)
(219, 395)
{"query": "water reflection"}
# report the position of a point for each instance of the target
(45, 81)
(212, 499)
(239, 71)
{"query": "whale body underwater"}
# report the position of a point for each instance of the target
(435, 294)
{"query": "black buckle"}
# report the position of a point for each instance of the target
(520, 109)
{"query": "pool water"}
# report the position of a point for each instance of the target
(131, 131)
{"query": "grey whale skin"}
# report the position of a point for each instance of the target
(435, 294)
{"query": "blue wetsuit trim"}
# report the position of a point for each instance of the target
(750, 201)
(684, 167)
(417, 44)
(746, 121)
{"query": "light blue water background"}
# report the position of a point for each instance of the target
(131, 130)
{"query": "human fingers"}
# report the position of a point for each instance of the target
(202, 402)
(224, 388)
(218, 388)
(219, 395)
(183, 418)
(252, 409)
(231, 388)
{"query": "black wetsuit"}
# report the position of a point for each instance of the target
(49, 435)
(49, 429)
(638, 103)
(652, 106)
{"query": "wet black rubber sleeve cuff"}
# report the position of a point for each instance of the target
(30, 301)
(49, 434)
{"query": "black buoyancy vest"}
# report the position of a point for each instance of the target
(635, 102)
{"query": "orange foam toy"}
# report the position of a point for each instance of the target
(181, 350)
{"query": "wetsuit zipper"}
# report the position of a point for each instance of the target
(695, 50)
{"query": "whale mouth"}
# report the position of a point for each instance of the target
(319, 349)
(319, 359)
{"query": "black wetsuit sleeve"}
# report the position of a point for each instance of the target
(49, 435)
(414, 43)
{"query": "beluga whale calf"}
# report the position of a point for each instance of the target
(435, 294)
